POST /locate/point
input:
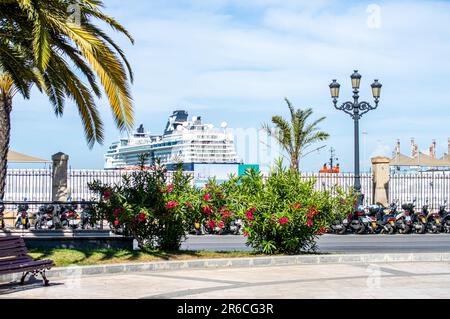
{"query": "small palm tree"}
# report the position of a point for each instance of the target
(297, 135)
(41, 46)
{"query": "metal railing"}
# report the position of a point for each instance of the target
(433, 187)
(32, 184)
(36, 185)
(327, 182)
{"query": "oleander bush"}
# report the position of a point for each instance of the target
(156, 212)
(283, 214)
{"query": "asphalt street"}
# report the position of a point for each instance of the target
(338, 244)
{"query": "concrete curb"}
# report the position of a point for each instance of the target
(77, 271)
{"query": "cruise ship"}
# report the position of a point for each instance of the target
(189, 141)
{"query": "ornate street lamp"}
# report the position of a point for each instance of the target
(356, 110)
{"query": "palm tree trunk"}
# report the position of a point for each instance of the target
(294, 163)
(5, 130)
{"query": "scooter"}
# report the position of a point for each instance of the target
(22, 220)
(340, 226)
(44, 218)
(420, 220)
(236, 227)
(87, 217)
(390, 219)
(434, 222)
(69, 216)
(376, 218)
(403, 221)
(445, 217)
(358, 221)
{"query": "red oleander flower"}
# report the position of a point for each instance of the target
(310, 223)
(246, 234)
(249, 215)
(107, 195)
(221, 225)
(116, 223)
(142, 218)
(172, 204)
(207, 210)
(226, 214)
(283, 220)
(189, 205)
(207, 197)
(252, 210)
(297, 206)
(322, 230)
(170, 188)
(211, 224)
(117, 212)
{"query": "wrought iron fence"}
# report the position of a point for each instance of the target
(78, 181)
(36, 185)
(327, 182)
(433, 187)
(33, 185)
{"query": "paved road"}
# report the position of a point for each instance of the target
(339, 244)
(386, 280)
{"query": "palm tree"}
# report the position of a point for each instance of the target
(41, 46)
(297, 135)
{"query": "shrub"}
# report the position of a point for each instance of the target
(146, 206)
(284, 214)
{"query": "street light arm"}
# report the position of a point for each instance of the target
(347, 107)
(365, 107)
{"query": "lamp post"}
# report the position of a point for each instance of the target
(356, 110)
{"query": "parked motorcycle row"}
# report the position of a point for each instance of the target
(375, 219)
(53, 216)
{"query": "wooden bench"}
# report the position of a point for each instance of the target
(14, 258)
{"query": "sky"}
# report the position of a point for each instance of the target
(236, 61)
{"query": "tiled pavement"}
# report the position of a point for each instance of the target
(381, 280)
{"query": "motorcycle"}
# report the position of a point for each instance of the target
(68, 216)
(340, 226)
(403, 221)
(22, 219)
(358, 222)
(375, 213)
(445, 217)
(44, 218)
(434, 222)
(87, 217)
(236, 227)
(389, 219)
(420, 220)
(2, 216)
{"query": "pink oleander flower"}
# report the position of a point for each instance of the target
(142, 218)
(283, 220)
(116, 222)
(107, 195)
(172, 204)
(207, 197)
(221, 225)
(310, 223)
(211, 224)
(207, 210)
